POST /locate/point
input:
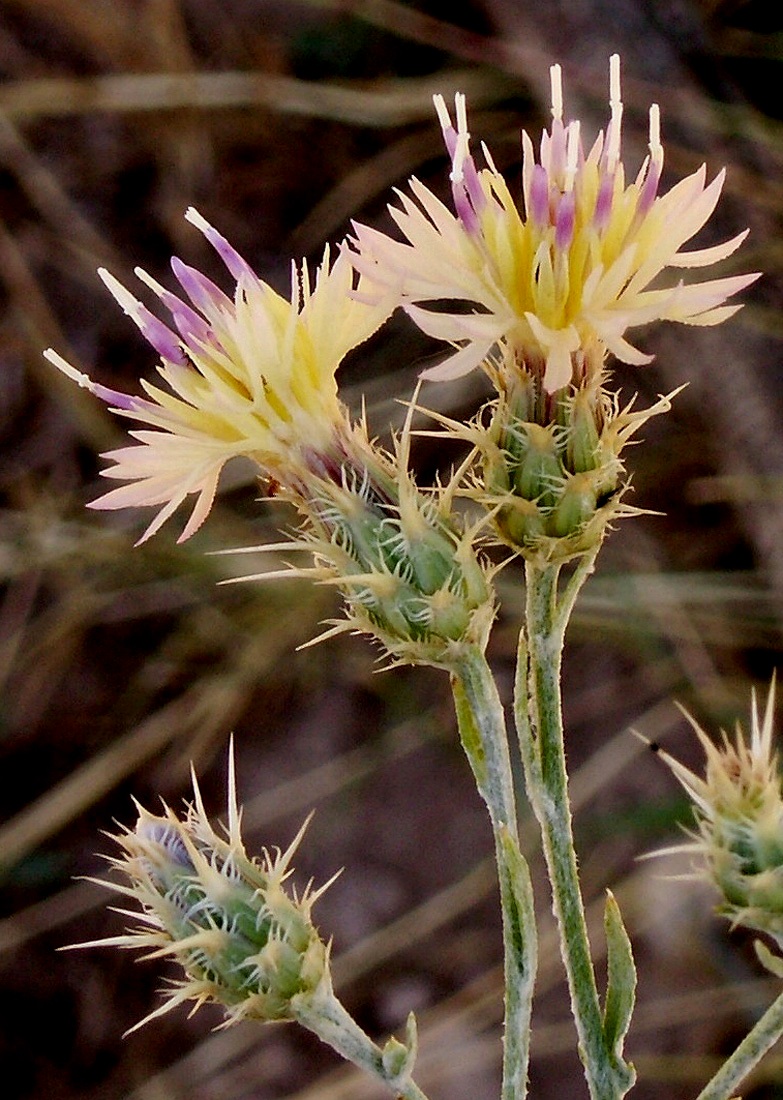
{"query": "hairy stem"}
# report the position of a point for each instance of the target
(326, 1017)
(482, 727)
(748, 1054)
(540, 726)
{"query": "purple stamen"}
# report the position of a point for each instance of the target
(450, 138)
(237, 266)
(649, 189)
(539, 196)
(473, 185)
(603, 203)
(564, 221)
(557, 150)
(203, 293)
(190, 325)
(160, 336)
(116, 399)
(194, 329)
(464, 207)
(468, 195)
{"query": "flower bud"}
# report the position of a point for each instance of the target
(555, 482)
(240, 937)
(584, 436)
(738, 806)
(409, 574)
(575, 507)
(539, 470)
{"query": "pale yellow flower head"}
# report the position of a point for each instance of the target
(560, 282)
(252, 374)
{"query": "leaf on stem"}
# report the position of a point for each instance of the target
(620, 987)
(517, 894)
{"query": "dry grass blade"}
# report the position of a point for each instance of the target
(386, 104)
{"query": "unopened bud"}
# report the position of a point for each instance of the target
(575, 507)
(409, 575)
(555, 483)
(583, 435)
(240, 937)
(738, 807)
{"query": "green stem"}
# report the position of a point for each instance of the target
(748, 1054)
(326, 1017)
(540, 726)
(482, 727)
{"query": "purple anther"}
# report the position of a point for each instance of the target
(115, 399)
(239, 267)
(473, 186)
(161, 337)
(557, 149)
(564, 221)
(450, 139)
(649, 189)
(194, 329)
(539, 196)
(464, 207)
(603, 203)
(203, 293)
(190, 325)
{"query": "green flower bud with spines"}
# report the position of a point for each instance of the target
(555, 482)
(520, 522)
(738, 806)
(239, 936)
(409, 575)
(584, 440)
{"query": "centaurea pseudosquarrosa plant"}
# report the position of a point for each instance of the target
(546, 292)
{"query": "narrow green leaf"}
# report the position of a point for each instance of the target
(398, 1058)
(620, 987)
(518, 907)
(469, 732)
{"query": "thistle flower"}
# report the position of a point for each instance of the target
(738, 806)
(254, 375)
(559, 284)
(241, 938)
(251, 375)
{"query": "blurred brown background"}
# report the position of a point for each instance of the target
(280, 122)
